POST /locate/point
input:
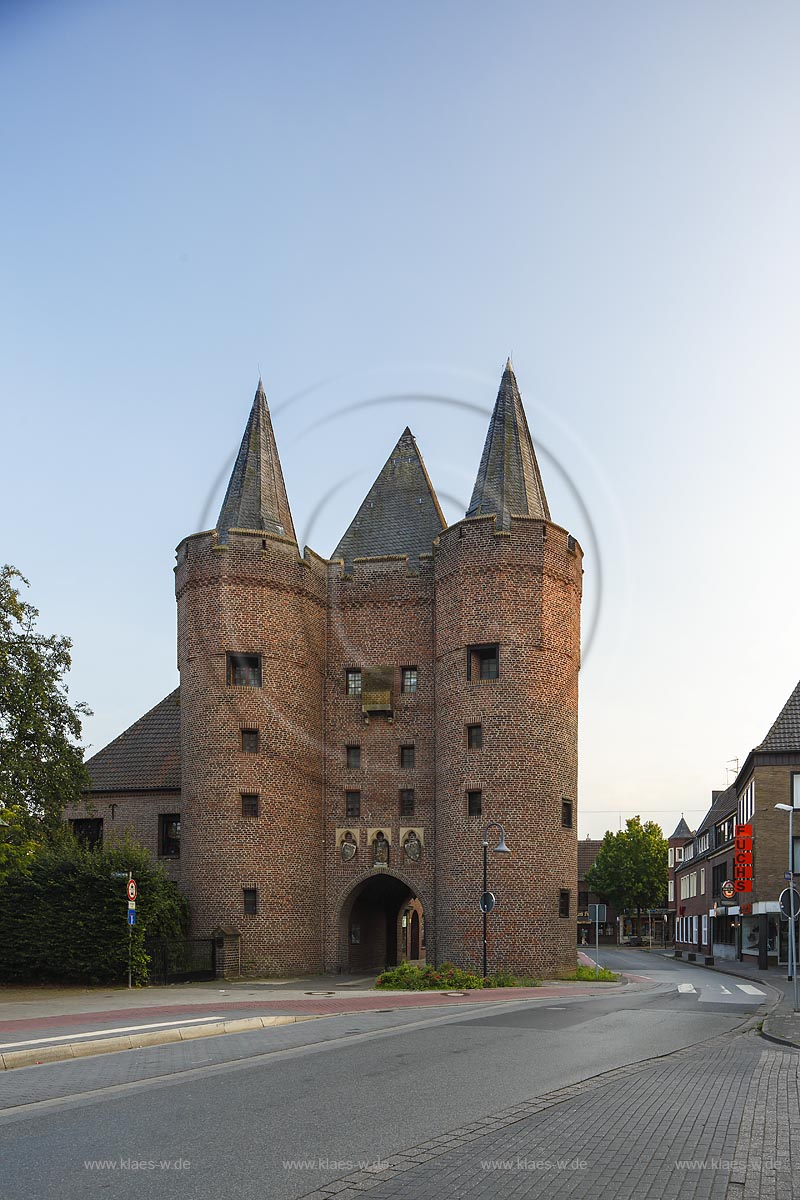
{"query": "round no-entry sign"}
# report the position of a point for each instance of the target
(131, 889)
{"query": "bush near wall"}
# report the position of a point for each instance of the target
(63, 917)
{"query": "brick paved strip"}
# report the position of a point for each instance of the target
(711, 1123)
(317, 1006)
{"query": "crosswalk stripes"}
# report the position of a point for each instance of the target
(749, 989)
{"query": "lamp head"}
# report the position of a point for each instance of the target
(501, 847)
(785, 807)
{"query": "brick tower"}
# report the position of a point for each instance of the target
(251, 630)
(507, 615)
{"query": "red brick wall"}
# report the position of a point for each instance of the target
(521, 589)
(133, 813)
(256, 596)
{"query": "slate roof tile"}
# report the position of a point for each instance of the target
(146, 756)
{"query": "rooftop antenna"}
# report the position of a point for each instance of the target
(729, 768)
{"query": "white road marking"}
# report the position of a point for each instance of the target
(725, 990)
(750, 990)
(686, 988)
(73, 1037)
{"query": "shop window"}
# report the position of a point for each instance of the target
(244, 670)
(169, 835)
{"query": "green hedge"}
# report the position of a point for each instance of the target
(63, 918)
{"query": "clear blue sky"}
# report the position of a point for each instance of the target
(365, 201)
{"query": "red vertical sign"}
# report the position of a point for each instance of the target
(743, 858)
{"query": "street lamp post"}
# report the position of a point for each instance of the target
(792, 939)
(500, 848)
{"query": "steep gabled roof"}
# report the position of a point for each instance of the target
(722, 805)
(256, 496)
(682, 830)
(146, 756)
(400, 513)
(785, 732)
(509, 481)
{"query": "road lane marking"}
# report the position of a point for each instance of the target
(89, 1033)
(750, 990)
(686, 988)
(725, 990)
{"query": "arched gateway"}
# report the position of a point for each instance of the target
(371, 930)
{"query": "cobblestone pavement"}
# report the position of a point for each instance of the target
(715, 1121)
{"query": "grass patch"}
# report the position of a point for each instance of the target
(583, 974)
(408, 977)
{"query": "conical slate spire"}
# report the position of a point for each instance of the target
(256, 496)
(400, 514)
(682, 830)
(509, 481)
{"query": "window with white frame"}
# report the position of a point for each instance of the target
(747, 800)
(702, 843)
(678, 854)
(702, 881)
(704, 928)
(694, 930)
(671, 891)
(671, 857)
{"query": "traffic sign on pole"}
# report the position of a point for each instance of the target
(132, 917)
(487, 902)
(785, 902)
(131, 889)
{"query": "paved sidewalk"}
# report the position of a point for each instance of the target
(712, 1122)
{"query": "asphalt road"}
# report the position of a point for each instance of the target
(234, 1111)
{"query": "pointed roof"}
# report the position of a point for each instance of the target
(785, 732)
(146, 757)
(509, 481)
(682, 830)
(256, 496)
(399, 515)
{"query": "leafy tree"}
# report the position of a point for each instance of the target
(630, 870)
(41, 760)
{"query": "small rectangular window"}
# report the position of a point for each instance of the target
(566, 814)
(407, 802)
(250, 741)
(169, 835)
(250, 900)
(474, 803)
(483, 661)
(353, 757)
(353, 682)
(244, 670)
(474, 737)
(352, 802)
(408, 756)
(251, 804)
(408, 681)
(563, 903)
(88, 830)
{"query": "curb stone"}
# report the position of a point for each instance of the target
(38, 1055)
